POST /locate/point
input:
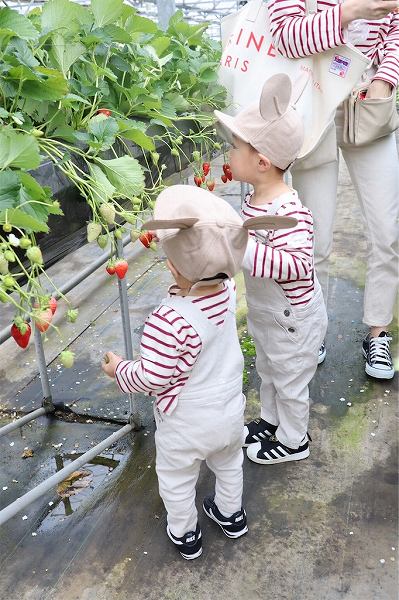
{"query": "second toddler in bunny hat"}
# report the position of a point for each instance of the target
(191, 361)
(286, 313)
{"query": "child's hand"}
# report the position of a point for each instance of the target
(109, 363)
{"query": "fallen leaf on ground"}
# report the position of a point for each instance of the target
(72, 484)
(28, 453)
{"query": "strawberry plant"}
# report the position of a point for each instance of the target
(92, 89)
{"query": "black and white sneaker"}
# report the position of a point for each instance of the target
(257, 431)
(378, 356)
(190, 545)
(322, 353)
(272, 451)
(234, 526)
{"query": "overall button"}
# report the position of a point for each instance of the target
(291, 329)
(286, 312)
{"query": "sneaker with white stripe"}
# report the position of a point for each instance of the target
(190, 544)
(272, 451)
(257, 431)
(233, 526)
(322, 353)
(378, 356)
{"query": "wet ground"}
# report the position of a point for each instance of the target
(321, 529)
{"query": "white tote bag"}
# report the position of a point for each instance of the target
(249, 58)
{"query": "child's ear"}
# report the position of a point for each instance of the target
(264, 163)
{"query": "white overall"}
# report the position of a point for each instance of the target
(287, 340)
(207, 423)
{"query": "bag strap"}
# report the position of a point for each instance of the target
(311, 6)
(253, 8)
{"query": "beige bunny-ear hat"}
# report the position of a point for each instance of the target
(272, 126)
(201, 234)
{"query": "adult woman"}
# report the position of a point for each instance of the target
(373, 27)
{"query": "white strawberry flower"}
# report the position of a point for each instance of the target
(14, 241)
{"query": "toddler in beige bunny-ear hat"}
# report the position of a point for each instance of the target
(191, 361)
(286, 313)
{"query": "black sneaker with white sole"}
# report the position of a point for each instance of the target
(234, 526)
(322, 353)
(378, 356)
(190, 545)
(272, 451)
(257, 431)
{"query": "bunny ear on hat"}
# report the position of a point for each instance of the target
(275, 97)
(183, 223)
(268, 222)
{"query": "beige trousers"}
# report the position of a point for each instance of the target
(374, 170)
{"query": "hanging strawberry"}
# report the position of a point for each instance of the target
(210, 184)
(20, 331)
(53, 304)
(104, 111)
(206, 167)
(110, 268)
(224, 178)
(67, 358)
(121, 268)
(42, 318)
(146, 238)
(198, 180)
(226, 167)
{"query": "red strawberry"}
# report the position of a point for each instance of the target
(53, 304)
(146, 238)
(226, 167)
(104, 111)
(206, 167)
(198, 180)
(210, 184)
(21, 331)
(42, 319)
(110, 268)
(229, 175)
(121, 267)
(224, 178)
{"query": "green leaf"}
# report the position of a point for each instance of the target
(52, 86)
(18, 218)
(160, 44)
(138, 137)
(137, 24)
(63, 14)
(9, 186)
(103, 189)
(64, 53)
(23, 53)
(18, 150)
(104, 130)
(125, 173)
(106, 11)
(117, 34)
(18, 24)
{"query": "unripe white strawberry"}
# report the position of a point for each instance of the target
(35, 255)
(93, 231)
(67, 358)
(107, 212)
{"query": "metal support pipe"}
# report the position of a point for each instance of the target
(15, 507)
(47, 402)
(69, 285)
(135, 418)
(166, 8)
(22, 420)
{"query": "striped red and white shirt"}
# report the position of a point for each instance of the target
(285, 255)
(296, 34)
(169, 349)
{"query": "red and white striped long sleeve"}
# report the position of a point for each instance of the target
(296, 34)
(169, 349)
(285, 255)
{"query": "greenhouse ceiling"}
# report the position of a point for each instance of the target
(196, 11)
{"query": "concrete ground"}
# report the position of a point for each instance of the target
(321, 529)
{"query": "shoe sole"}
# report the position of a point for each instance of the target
(377, 373)
(230, 535)
(185, 556)
(289, 458)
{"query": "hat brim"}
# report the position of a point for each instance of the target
(228, 127)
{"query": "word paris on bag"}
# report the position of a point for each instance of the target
(249, 58)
